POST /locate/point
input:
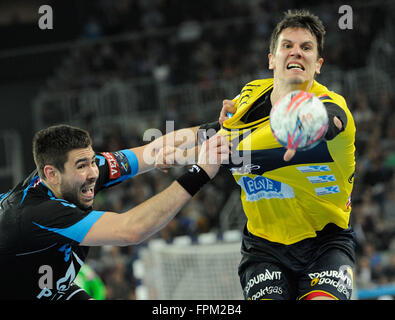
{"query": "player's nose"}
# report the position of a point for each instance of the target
(93, 172)
(296, 51)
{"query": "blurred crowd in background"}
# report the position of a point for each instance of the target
(199, 53)
(209, 40)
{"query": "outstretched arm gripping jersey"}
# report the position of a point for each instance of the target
(287, 202)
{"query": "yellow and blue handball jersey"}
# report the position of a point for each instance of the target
(287, 202)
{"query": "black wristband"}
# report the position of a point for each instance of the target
(193, 180)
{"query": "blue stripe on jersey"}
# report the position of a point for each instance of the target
(261, 161)
(62, 201)
(32, 182)
(77, 231)
(134, 167)
(325, 97)
(4, 195)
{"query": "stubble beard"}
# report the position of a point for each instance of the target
(71, 194)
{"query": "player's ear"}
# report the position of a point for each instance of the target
(51, 174)
(318, 65)
(271, 61)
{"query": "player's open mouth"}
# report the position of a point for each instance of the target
(296, 66)
(88, 192)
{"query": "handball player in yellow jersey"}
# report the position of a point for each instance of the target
(297, 243)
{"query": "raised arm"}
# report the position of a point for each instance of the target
(179, 147)
(173, 145)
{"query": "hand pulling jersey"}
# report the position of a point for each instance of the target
(40, 253)
(287, 202)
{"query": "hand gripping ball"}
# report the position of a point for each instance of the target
(299, 120)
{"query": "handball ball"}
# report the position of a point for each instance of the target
(299, 120)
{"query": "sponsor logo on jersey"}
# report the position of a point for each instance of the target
(321, 179)
(248, 168)
(327, 190)
(115, 172)
(314, 168)
(66, 249)
(265, 188)
(123, 162)
(62, 284)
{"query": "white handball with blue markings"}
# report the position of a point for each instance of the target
(299, 120)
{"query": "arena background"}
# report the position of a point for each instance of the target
(118, 68)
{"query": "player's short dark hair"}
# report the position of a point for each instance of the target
(51, 145)
(300, 19)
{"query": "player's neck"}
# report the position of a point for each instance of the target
(53, 188)
(282, 88)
